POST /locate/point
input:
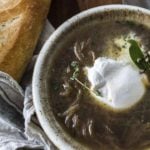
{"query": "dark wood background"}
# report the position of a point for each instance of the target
(61, 10)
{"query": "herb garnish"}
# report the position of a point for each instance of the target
(75, 66)
(141, 59)
(97, 93)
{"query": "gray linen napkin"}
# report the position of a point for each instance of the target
(19, 127)
(141, 3)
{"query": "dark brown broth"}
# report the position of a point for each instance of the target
(91, 124)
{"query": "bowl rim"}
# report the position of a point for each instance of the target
(38, 74)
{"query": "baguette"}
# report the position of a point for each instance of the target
(21, 23)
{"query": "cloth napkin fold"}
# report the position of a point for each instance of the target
(140, 3)
(19, 127)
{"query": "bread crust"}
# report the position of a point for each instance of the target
(21, 23)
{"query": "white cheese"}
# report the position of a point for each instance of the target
(120, 83)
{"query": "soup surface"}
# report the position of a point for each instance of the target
(88, 121)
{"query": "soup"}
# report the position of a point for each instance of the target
(91, 122)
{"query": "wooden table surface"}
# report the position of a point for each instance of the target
(61, 10)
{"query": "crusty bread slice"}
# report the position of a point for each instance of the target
(21, 22)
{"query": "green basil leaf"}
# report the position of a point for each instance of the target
(137, 54)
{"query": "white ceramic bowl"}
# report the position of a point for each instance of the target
(63, 34)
